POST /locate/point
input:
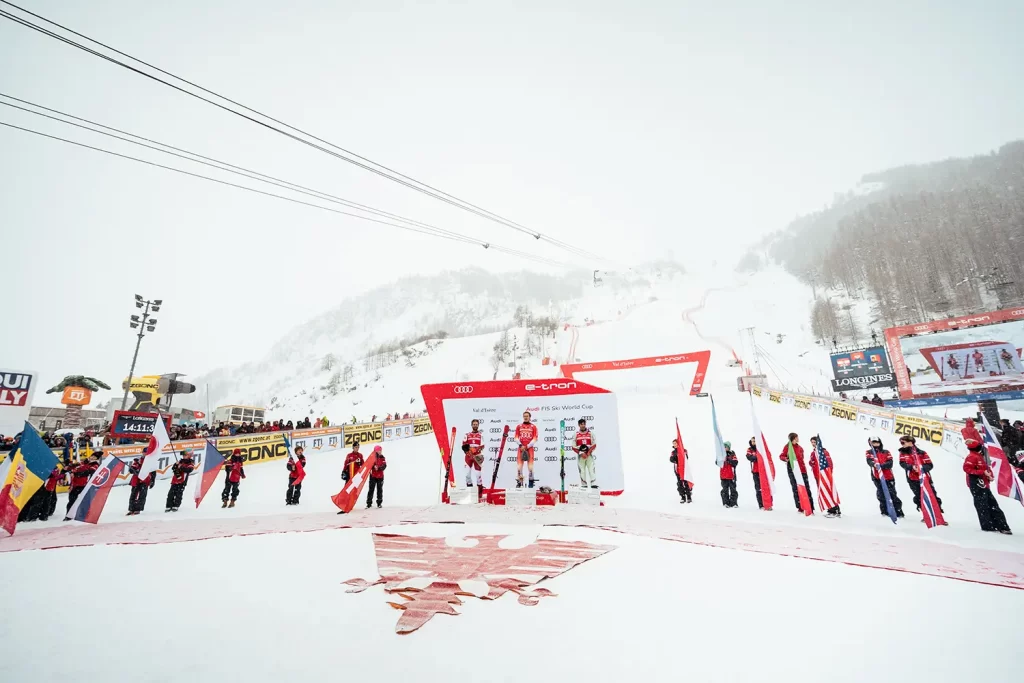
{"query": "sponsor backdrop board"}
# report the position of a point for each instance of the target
(130, 424)
(16, 390)
(978, 354)
(862, 369)
(497, 404)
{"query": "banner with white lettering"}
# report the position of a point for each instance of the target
(16, 390)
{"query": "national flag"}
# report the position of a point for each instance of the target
(212, 462)
(155, 448)
(828, 496)
(682, 469)
(90, 503)
(26, 469)
(889, 508)
(1005, 477)
(801, 489)
(719, 444)
(765, 463)
(346, 498)
(929, 501)
(300, 471)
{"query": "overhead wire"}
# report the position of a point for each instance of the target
(345, 154)
(460, 238)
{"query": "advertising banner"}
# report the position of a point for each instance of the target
(397, 429)
(802, 402)
(757, 391)
(976, 354)
(788, 400)
(701, 358)
(919, 428)
(371, 432)
(862, 369)
(421, 425)
(775, 397)
(497, 404)
(844, 411)
(317, 440)
(17, 387)
(127, 423)
(875, 420)
(821, 407)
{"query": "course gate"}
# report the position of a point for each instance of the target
(701, 358)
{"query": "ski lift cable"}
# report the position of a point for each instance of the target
(343, 154)
(459, 238)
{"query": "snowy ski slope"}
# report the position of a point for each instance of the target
(272, 607)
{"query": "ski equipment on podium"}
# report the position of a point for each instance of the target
(497, 461)
(561, 456)
(449, 474)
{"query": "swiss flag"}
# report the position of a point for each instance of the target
(346, 498)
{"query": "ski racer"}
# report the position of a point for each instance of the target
(979, 361)
(877, 454)
(473, 447)
(526, 435)
(584, 450)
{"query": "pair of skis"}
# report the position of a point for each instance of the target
(449, 475)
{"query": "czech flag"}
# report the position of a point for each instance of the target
(212, 462)
(22, 474)
(90, 504)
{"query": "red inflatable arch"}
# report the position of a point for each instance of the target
(701, 358)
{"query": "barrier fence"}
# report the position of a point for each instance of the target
(943, 433)
(270, 446)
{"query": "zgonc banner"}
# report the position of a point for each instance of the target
(550, 403)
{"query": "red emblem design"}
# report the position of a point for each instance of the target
(427, 572)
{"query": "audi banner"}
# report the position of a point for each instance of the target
(550, 402)
(135, 425)
(862, 369)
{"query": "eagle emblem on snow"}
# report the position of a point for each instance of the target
(431, 575)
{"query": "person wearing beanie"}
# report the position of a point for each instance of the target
(234, 473)
(876, 454)
(916, 463)
(683, 487)
(377, 477)
(727, 474)
(821, 465)
(755, 470)
(979, 476)
(296, 473)
(140, 487)
(179, 478)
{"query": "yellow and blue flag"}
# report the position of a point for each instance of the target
(22, 474)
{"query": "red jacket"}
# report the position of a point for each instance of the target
(355, 459)
(907, 462)
(974, 466)
(728, 470)
(379, 465)
(181, 470)
(815, 465)
(799, 450)
(884, 459)
(135, 468)
(51, 481)
(293, 471)
(80, 474)
(235, 470)
(752, 457)
(472, 444)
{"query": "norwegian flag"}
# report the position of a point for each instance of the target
(828, 497)
(1005, 479)
(929, 501)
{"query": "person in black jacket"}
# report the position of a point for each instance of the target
(755, 470)
(295, 476)
(727, 474)
(684, 487)
(876, 453)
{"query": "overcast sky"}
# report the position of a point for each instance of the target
(634, 129)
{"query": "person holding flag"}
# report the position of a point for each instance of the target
(821, 468)
(296, 473)
(762, 464)
(211, 464)
(916, 464)
(234, 473)
(727, 475)
(179, 478)
(353, 461)
(80, 474)
(683, 486)
(754, 457)
(22, 473)
(89, 506)
(140, 487)
(793, 455)
(979, 478)
(376, 477)
(880, 462)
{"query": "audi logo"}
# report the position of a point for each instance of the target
(510, 459)
(463, 390)
(493, 449)
(495, 430)
(550, 458)
(588, 418)
(551, 438)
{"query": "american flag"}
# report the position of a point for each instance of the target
(828, 497)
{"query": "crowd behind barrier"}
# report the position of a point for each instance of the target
(940, 432)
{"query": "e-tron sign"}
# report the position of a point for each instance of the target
(701, 358)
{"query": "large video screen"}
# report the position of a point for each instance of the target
(862, 369)
(978, 354)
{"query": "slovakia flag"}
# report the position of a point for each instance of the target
(90, 503)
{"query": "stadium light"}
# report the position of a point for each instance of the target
(144, 324)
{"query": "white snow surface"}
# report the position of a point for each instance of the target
(273, 608)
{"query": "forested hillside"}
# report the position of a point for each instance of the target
(929, 241)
